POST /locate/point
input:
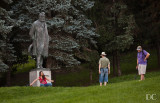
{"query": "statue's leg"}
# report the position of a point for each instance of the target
(38, 61)
(41, 62)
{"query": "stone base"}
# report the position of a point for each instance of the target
(33, 74)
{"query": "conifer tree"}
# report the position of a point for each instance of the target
(7, 50)
(70, 30)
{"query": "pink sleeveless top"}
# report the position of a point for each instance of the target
(42, 81)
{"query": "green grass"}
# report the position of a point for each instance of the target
(78, 78)
(120, 90)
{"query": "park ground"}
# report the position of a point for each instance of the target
(124, 89)
(74, 86)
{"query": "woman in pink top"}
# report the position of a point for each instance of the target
(42, 78)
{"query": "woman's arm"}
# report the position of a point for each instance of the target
(49, 80)
(34, 81)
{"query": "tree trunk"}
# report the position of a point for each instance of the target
(53, 77)
(91, 76)
(158, 53)
(49, 62)
(90, 73)
(114, 64)
(8, 77)
(118, 64)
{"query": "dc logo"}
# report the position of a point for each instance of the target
(151, 97)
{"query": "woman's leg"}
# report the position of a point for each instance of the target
(48, 85)
(41, 85)
(101, 76)
(105, 76)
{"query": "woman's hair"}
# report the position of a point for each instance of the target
(43, 76)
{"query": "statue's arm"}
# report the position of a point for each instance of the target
(32, 31)
(47, 32)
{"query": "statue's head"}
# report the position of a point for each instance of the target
(42, 16)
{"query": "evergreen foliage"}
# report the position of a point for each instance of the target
(119, 28)
(7, 51)
(69, 28)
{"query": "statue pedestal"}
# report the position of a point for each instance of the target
(33, 74)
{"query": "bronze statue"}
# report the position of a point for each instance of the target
(40, 39)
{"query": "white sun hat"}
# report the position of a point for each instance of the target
(103, 53)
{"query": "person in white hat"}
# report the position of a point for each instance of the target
(142, 57)
(104, 69)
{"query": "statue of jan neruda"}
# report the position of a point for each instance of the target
(40, 39)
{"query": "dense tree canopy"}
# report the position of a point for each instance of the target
(72, 25)
(116, 26)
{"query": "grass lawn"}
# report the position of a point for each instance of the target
(123, 89)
